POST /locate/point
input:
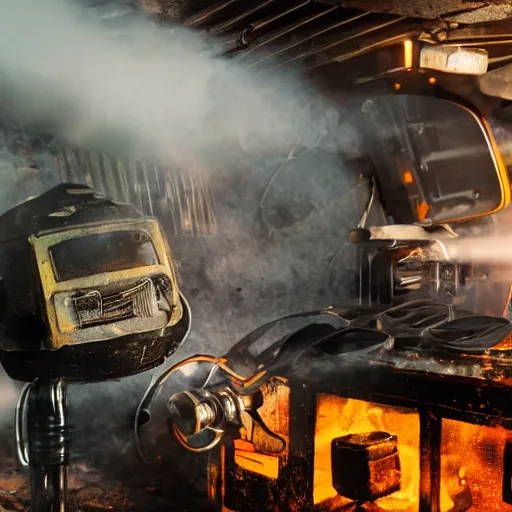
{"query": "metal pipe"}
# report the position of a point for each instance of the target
(48, 445)
(223, 27)
(207, 13)
(288, 30)
(341, 41)
(312, 36)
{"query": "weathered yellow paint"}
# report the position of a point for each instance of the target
(43, 242)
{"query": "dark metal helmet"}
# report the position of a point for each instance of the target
(88, 289)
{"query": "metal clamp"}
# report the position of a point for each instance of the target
(19, 424)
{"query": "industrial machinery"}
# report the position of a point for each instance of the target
(439, 176)
(426, 95)
(88, 293)
(349, 411)
(396, 404)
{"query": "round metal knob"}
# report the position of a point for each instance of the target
(192, 412)
(183, 410)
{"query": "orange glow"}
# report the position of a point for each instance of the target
(274, 412)
(257, 451)
(397, 86)
(341, 416)
(408, 47)
(473, 455)
(407, 177)
(422, 210)
(432, 80)
(266, 465)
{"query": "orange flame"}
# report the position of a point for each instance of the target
(471, 455)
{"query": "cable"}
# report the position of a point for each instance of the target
(360, 225)
(415, 317)
(473, 335)
(438, 324)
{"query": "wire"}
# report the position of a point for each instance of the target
(417, 316)
(183, 440)
(291, 156)
(366, 213)
(156, 381)
(436, 323)
(360, 225)
(473, 335)
(244, 382)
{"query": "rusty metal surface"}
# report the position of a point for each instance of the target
(457, 10)
(314, 33)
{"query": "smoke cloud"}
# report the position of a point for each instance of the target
(128, 85)
(482, 249)
(275, 152)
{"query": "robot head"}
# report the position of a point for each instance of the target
(87, 289)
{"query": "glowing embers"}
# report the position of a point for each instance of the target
(337, 417)
(247, 458)
(472, 467)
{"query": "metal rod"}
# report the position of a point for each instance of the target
(219, 29)
(48, 445)
(206, 14)
(248, 35)
(288, 30)
(312, 36)
(258, 25)
(479, 43)
(341, 41)
(498, 60)
(366, 49)
(468, 36)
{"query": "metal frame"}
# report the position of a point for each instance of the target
(43, 242)
(423, 392)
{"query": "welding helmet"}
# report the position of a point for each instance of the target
(87, 289)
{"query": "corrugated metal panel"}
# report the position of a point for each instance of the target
(179, 199)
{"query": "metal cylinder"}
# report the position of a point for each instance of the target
(194, 411)
(48, 445)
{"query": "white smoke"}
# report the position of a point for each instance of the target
(495, 248)
(144, 89)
